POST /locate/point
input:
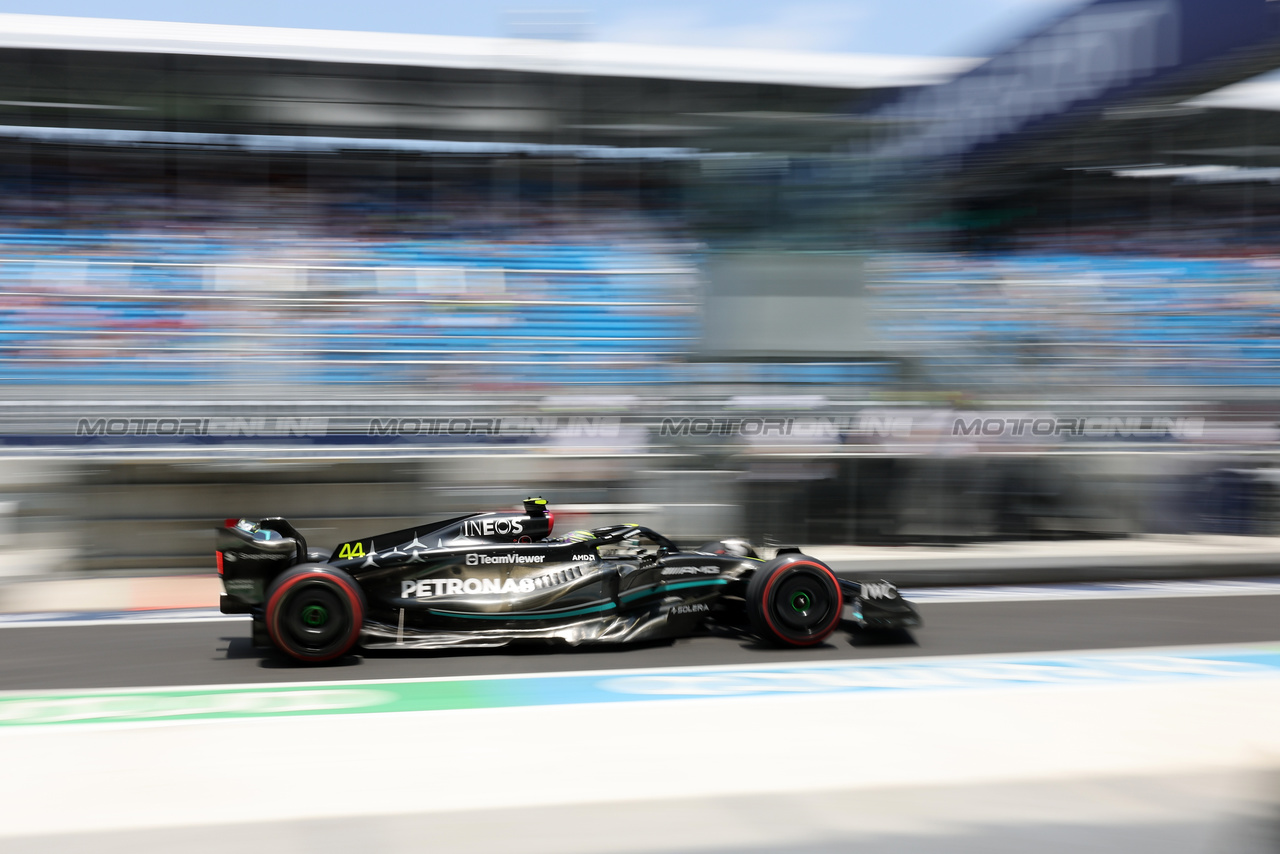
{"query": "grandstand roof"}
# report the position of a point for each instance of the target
(844, 71)
(1256, 94)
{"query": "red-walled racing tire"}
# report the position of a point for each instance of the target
(314, 612)
(794, 600)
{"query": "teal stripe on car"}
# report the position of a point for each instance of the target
(527, 615)
(708, 582)
(672, 585)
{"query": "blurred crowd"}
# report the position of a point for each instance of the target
(135, 277)
(1037, 319)
(131, 280)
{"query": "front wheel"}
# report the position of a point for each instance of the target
(794, 600)
(314, 612)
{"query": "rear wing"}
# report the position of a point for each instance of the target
(250, 554)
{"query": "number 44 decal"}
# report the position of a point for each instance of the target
(351, 550)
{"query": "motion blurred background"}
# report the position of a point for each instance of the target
(946, 292)
(1010, 272)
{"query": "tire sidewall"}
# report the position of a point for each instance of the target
(288, 583)
(765, 581)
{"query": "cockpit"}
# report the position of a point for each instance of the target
(622, 541)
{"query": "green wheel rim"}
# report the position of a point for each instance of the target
(804, 600)
(315, 616)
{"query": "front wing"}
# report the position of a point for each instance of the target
(877, 605)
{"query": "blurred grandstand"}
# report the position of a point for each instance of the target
(121, 283)
(1097, 207)
(230, 223)
(206, 206)
(1102, 322)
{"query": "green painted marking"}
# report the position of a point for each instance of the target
(146, 705)
(135, 706)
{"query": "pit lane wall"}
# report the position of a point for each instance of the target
(138, 490)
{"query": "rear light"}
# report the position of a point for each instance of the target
(219, 557)
(551, 522)
(230, 523)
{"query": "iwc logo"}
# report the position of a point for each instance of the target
(878, 590)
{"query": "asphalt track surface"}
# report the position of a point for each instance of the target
(211, 653)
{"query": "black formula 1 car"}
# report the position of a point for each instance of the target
(490, 579)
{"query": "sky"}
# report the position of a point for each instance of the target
(915, 27)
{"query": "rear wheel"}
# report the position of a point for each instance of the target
(794, 600)
(314, 612)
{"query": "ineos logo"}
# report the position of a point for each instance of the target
(491, 527)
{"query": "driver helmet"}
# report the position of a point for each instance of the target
(737, 547)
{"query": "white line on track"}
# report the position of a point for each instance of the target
(117, 618)
(977, 658)
(1101, 590)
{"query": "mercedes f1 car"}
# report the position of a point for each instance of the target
(490, 579)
